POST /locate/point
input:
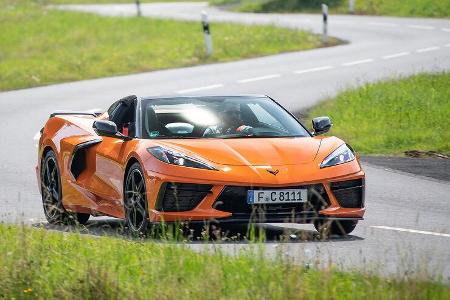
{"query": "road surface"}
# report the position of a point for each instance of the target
(407, 225)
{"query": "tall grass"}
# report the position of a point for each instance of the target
(40, 46)
(40, 264)
(423, 8)
(393, 116)
(110, 1)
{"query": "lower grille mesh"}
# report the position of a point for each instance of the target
(350, 193)
(233, 199)
(176, 197)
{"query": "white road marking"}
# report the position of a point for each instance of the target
(259, 78)
(383, 24)
(448, 45)
(445, 29)
(357, 62)
(37, 136)
(427, 49)
(313, 70)
(396, 55)
(421, 27)
(412, 231)
(208, 87)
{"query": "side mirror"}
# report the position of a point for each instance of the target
(321, 125)
(108, 128)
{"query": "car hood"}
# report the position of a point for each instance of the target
(249, 151)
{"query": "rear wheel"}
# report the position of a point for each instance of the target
(135, 202)
(51, 192)
(328, 227)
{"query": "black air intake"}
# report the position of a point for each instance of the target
(78, 163)
(349, 194)
(176, 197)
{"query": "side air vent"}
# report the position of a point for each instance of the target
(79, 164)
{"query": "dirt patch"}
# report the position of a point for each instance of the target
(417, 153)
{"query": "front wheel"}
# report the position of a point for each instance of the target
(51, 192)
(337, 227)
(135, 202)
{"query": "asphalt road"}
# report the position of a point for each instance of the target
(407, 225)
(437, 168)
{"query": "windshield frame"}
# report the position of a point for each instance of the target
(144, 101)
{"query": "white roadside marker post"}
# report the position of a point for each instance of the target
(325, 23)
(207, 33)
(351, 6)
(138, 8)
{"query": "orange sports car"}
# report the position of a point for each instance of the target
(197, 159)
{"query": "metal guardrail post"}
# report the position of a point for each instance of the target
(207, 33)
(325, 23)
(138, 8)
(351, 6)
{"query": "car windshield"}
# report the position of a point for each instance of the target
(217, 117)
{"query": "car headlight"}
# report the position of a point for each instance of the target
(341, 155)
(176, 158)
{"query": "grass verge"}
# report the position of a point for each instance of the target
(40, 46)
(393, 116)
(45, 265)
(111, 1)
(406, 8)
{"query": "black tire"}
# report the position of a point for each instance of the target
(82, 218)
(327, 228)
(51, 192)
(135, 202)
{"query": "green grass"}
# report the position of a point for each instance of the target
(393, 116)
(38, 264)
(407, 8)
(111, 1)
(41, 46)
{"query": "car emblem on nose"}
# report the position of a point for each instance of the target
(273, 172)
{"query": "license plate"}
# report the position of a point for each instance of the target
(277, 196)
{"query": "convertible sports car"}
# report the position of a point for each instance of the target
(197, 159)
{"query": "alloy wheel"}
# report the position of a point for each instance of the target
(135, 202)
(51, 189)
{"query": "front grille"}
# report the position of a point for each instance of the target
(350, 193)
(176, 197)
(233, 199)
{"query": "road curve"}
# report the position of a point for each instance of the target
(407, 225)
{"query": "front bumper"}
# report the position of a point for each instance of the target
(208, 209)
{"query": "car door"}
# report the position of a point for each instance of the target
(110, 161)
